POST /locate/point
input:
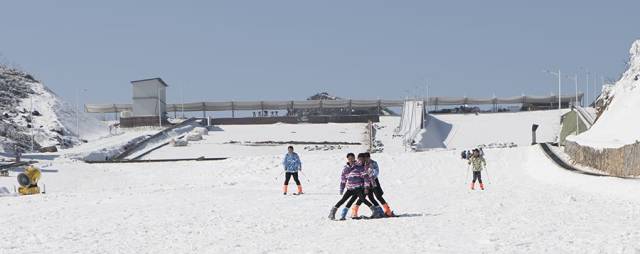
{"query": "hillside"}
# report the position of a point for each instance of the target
(617, 124)
(29, 109)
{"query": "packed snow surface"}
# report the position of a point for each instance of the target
(236, 205)
(464, 131)
(272, 139)
(618, 124)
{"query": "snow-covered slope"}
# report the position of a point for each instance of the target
(469, 130)
(236, 206)
(618, 125)
(267, 139)
(30, 109)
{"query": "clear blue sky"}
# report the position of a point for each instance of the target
(247, 50)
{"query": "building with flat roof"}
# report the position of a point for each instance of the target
(149, 107)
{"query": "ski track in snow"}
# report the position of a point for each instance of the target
(236, 206)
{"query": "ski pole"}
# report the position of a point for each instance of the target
(467, 175)
(305, 176)
(276, 178)
(488, 178)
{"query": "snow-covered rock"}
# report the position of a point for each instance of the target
(618, 123)
(201, 130)
(29, 109)
(194, 136)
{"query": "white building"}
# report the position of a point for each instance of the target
(149, 97)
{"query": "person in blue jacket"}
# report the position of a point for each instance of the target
(292, 165)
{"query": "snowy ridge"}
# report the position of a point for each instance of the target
(29, 109)
(618, 124)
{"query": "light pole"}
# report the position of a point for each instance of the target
(32, 123)
(587, 97)
(575, 103)
(427, 99)
(559, 75)
(159, 109)
(78, 111)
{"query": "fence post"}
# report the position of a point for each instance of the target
(204, 114)
(233, 111)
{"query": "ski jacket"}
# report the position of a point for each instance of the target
(354, 176)
(374, 169)
(477, 163)
(292, 162)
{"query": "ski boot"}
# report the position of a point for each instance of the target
(284, 190)
(343, 213)
(375, 212)
(473, 185)
(379, 211)
(354, 212)
(481, 186)
(387, 211)
(332, 213)
(299, 190)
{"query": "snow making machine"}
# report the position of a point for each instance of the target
(29, 181)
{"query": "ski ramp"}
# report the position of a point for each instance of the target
(411, 121)
(458, 131)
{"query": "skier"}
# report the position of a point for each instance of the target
(355, 179)
(351, 161)
(477, 162)
(292, 165)
(377, 211)
(377, 188)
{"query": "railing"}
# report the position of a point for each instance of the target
(586, 117)
(328, 104)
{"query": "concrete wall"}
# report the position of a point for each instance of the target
(623, 161)
(137, 121)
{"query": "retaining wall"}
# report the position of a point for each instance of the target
(623, 161)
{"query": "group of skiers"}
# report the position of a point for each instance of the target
(477, 162)
(359, 178)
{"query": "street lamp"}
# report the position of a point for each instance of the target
(559, 75)
(78, 111)
(575, 103)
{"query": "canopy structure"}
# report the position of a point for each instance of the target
(319, 104)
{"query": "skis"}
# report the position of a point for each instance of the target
(293, 194)
(362, 217)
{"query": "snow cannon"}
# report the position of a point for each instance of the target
(29, 181)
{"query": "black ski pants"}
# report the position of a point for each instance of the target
(358, 193)
(477, 176)
(377, 191)
(288, 175)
